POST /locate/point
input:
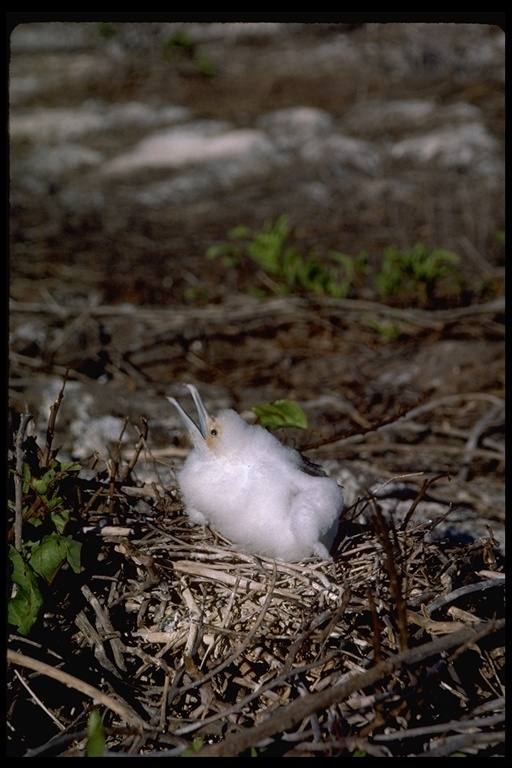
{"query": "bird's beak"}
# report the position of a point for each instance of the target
(204, 416)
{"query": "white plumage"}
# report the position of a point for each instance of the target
(255, 491)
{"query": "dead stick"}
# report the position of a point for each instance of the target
(18, 481)
(123, 710)
(50, 432)
(295, 712)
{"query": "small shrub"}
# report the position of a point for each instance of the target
(284, 269)
(42, 497)
(95, 746)
(386, 330)
(418, 271)
(281, 413)
(418, 275)
(180, 47)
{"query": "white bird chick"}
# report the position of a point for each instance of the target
(255, 491)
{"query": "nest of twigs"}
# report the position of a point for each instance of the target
(184, 646)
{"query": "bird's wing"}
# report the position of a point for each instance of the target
(311, 467)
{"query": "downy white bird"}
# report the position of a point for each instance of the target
(261, 495)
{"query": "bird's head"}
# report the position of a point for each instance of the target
(222, 434)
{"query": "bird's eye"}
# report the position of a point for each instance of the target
(213, 432)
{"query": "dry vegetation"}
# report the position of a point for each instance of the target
(396, 648)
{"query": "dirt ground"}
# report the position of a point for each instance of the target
(124, 302)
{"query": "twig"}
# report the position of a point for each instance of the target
(474, 437)
(454, 725)
(380, 446)
(94, 640)
(163, 703)
(242, 647)
(123, 710)
(348, 744)
(224, 622)
(395, 572)
(300, 708)
(107, 627)
(226, 578)
(234, 308)
(18, 481)
(78, 323)
(56, 743)
(406, 415)
(462, 742)
(461, 592)
(421, 493)
(50, 432)
(113, 465)
(38, 701)
(376, 627)
(283, 677)
(434, 319)
(141, 443)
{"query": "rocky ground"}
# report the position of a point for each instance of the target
(135, 148)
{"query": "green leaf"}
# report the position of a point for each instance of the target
(240, 233)
(27, 477)
(194, 748)
(70, 466)
(48, 556)
(74, 551)
(60, 518)
(42, 484)
(281, 413)
(24, 607)
(35, 521)
(95, 746)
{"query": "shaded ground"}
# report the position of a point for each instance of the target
(122, 298)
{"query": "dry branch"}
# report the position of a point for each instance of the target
(303, 707)
(18, 480)
(122, 709)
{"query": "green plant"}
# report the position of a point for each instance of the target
(355, 271)
(44, 548)
(281, 413)
(95, 746)
(284, 270)
(180, 41)
(416, 275)
(267, 248)
(194, 748)
(196, 293)
(180, 47)
(419, 271)
(387, 330)
(106, 29)
(38, 513)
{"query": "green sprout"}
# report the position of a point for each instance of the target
(43, 497)
(284, 270)
(44, 548)
(281, 413)
(419, 271)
